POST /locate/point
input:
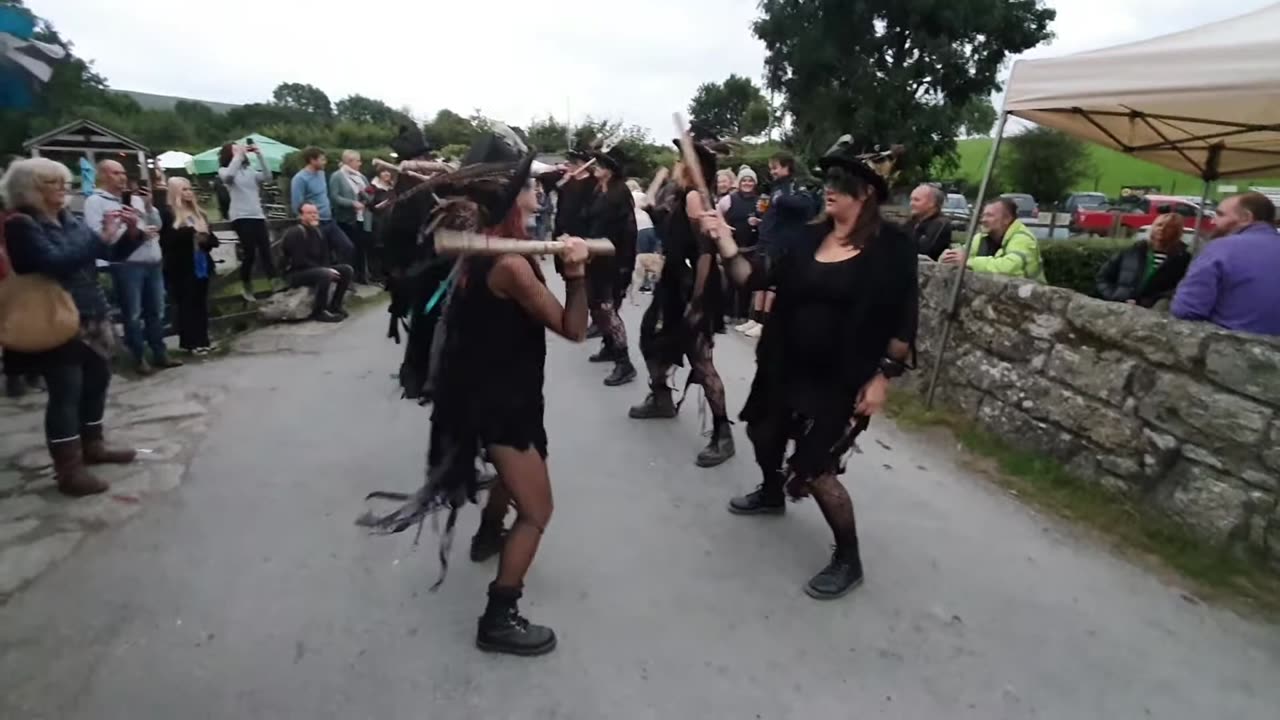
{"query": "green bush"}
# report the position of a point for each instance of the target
(1074, 264)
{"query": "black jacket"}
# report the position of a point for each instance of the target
(785, 222)
(305, 248)
(612, 216)
(1121, 278)
(179, 245)
(932, 235)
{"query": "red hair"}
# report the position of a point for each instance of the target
(512, 226)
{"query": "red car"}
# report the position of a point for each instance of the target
(1100, 221)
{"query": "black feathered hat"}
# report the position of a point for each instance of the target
(875, 168)
(705, 145)
(614, 159)
(578, 153)
(494, 171)
(410, 144)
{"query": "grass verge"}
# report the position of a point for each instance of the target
(1236, 579)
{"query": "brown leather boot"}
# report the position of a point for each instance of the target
(96, 451)
(68, 469)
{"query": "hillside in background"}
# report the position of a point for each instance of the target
(1112, 170)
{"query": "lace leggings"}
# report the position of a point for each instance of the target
(605, 316)
(769, 437)
(702, 371)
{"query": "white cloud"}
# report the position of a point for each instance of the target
(638, 61)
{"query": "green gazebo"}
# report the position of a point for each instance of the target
(273, 151)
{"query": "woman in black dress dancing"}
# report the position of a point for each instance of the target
(489, 388)
(687, 311)
(843, 325)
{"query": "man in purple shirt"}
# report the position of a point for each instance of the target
(1235, 280)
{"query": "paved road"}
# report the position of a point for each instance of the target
(248, 593)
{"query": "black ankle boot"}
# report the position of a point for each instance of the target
(720, 449)
(488, 540)
(658, 405)
(840, 576)
(593, 332)
(766, 499)
(605, 355)
(623, 373)
(502, 629)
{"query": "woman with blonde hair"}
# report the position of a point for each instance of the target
(186, 241)
(1149, 271)
(44, 238)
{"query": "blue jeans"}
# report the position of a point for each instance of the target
(140, 292)
(647, 241)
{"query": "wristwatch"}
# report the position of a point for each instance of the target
(891, 368)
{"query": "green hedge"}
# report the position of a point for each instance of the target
(1074, 263)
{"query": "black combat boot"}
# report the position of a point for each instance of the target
(767, 499)
(623, 372)
(606, 354)
(488, 540)
(720, 449)
(840, 576)
(502, 629)
(657, 405)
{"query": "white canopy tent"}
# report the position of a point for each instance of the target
(174, 160)
(1204, 101)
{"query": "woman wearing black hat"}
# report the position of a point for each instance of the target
(611, 215)
(687, 312)
(842, 326)
(489, 382)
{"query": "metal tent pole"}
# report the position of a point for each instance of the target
(959, 282)
(1210, 174)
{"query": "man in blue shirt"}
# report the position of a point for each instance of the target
(786, 213)
(309, 187)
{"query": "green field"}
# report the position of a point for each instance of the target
(1112, 170)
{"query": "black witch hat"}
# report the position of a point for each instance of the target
(875, 168)
(494, 171)
(410, 144)
(614, 159)
(705, 145)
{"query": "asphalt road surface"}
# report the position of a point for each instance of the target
(248, 593)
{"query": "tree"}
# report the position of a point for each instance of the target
(977, 118)
(733, 108)
(891, 71)
(361, 109)
(449, 128)
(548, 134)
(1045, 163)
(301, 96)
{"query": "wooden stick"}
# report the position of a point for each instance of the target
(651, 195)
(695, 169)
(410, 166)
(571, 175)
(456, 242)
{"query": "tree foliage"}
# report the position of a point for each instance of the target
(361, 109)
(891, 71)
(449, 128)
(304, 97)
(977, 118)
(733, 108)
(1045, 163)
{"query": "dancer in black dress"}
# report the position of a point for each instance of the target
(611, 216)
(488, 359)
(687, 311)
(843, 325)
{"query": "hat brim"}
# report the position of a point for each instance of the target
(606, 161)
(518, 181)
(859, 169)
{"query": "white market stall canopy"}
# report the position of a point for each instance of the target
(1175, 100)
(174, 160)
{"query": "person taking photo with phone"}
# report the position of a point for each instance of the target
(243, 171)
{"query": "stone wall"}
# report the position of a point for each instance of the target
(1182, 416)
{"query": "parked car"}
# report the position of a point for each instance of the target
(1138, 215)
(957, 209)
(1076, 201)
(1027, 206)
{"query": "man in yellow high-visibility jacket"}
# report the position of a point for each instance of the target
(1006, 247)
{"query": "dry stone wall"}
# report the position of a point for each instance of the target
(1182, 416)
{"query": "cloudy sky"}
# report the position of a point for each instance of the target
(513, 59)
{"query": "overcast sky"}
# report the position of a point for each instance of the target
(513, 59)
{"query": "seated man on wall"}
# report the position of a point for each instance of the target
(309, 262)
(1150, 270)
(1005, 247)
(1234, 282)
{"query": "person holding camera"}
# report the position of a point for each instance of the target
(243, 171)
